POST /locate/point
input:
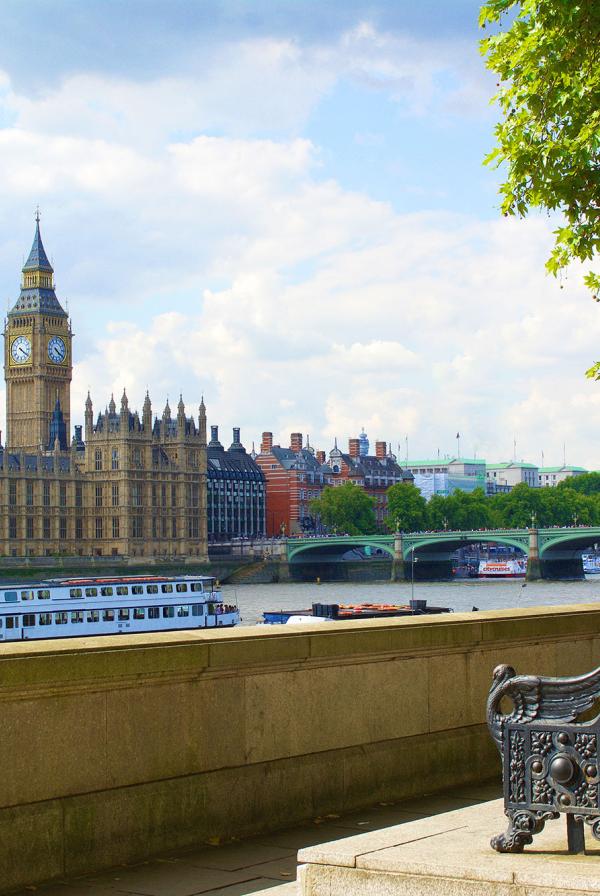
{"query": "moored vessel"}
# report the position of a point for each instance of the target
(502, 569)
(345, 612)
(76, 607)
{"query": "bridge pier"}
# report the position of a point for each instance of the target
(534, 567)
(398, 567)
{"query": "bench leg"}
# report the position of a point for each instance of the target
(522, 825)
(575, 834)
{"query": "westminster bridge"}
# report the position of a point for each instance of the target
(551, 553)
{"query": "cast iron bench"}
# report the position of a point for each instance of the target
(549, 759)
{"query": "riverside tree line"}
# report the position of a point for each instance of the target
(575, 502)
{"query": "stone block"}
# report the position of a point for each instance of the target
(52, 746)
(31, 844)
(291, 713)
(448, 689)
(174, 729)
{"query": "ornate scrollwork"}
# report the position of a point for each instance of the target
(541, 792)
(517, 767)
(523, 824)
(541, 742)
(586, 745)
(586, 795)
(550, 759)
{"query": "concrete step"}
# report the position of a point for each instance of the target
(449, 855)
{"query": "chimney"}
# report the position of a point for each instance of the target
(380, 449)
(267, 442)
(296, 441)
(354, 447)
(321, 457)
(214, 433)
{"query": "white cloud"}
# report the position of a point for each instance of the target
(229, 265)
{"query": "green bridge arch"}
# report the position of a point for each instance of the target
(548, 539)
(296, 546)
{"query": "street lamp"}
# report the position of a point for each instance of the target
(412, 574)
(445, 522)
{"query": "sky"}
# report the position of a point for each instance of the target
(280, 205)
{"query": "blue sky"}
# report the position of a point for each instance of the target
(282, 206)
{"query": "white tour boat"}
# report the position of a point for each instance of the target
(72, 607)
(502, 569)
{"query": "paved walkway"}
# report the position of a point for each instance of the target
(265, 865)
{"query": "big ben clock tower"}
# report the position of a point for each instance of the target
(37, 357)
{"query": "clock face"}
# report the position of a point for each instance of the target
(20, 349)
(57, 350)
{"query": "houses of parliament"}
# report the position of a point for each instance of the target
(130, 486)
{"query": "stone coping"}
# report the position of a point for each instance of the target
(223, 650)
(450, 854)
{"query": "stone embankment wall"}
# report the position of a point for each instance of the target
(117, 748)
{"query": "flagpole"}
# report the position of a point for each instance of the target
(458, 445)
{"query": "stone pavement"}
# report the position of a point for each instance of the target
(264, 865)
(450, 855)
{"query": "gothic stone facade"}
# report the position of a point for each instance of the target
(136, 487)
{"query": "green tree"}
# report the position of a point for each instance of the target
(346, 509)
(548, 64)
(407, 508)
(460, 510)
(587, 483)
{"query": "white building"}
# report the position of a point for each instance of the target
(548, 476)
(511, 474)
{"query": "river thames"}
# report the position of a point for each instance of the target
(461, 595)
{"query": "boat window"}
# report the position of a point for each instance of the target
(28, 620)
(108, 616)
(43, 594)
(197, 610)
(168, 612)
(60, 618)
(26, 595)
(137, 589)
(152, 589)
(11, 621)
(91, 592)
(196, 586)
(75, 592)
(166, 589)
(183, 611)
(10, 596)
(93, 616)
(153, 612)
(0, 622)
(122, 589)
(210, 609)
(106, 591)
(45, 618)
(124, 613)
(181, 587)
(139, 613)
(77, 616)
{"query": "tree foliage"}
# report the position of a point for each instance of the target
(586, 483)
(407, 508)
(548, 63)
(346, 509)
(564, 505)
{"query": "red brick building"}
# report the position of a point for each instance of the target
(375, 473)
(294, 477)
(297, 475)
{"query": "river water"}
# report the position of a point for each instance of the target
(460, 595)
